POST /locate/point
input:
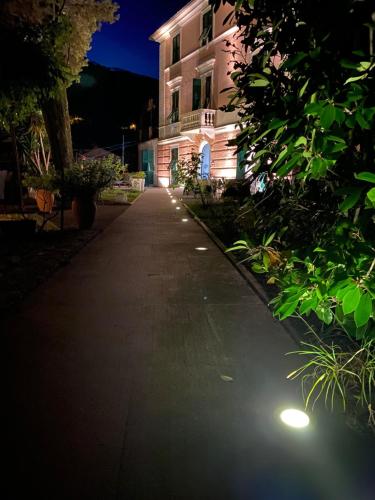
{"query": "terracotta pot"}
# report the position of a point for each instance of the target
(84, 210)
(44, 200)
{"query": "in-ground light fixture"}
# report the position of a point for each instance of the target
(295, 418)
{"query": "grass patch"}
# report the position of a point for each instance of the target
(119, 196)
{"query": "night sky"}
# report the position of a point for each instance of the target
(126, 44)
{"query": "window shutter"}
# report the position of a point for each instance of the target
(176, 49)
(207, 93)
(197, 86)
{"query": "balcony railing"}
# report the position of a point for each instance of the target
(170, 130)
(201, 118)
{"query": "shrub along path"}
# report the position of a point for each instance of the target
(147, 369)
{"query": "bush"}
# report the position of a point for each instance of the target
(89, 178)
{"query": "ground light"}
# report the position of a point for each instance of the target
(185, 220)
(174, 201)
(201, 249)
(178, 208)
(295, 418)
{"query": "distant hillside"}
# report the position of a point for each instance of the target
(107, 99)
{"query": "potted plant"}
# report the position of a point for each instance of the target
(138, 180)
(45, 187)
(36, 155)
(83, 182)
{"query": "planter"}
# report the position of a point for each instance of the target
(84, 210)
(44, 200)
(138, 184)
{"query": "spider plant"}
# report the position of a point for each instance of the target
(338, 375)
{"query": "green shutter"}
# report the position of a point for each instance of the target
(197, 85)
(207, 99)
(175, 107)
(176, 49)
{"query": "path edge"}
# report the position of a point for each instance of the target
(288, 325)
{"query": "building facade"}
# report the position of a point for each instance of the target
(195, 67)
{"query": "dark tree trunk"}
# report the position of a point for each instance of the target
(18, 167)
(57, 121)
(56, 117)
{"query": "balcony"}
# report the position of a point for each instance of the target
(200, 121)
(170, 130)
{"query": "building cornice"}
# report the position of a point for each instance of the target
(229, 32)
(180, 18)
(206, 66)
(171, 140)
(175, 82)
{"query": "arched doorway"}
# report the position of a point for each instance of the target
(205, 161)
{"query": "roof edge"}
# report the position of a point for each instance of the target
(178, 19)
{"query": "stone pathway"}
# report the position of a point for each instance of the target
(149, 370)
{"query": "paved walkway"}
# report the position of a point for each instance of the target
(149, 370)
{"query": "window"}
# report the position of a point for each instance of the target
(207, 92)
(176, 49)
(174, 116)
(197, 89)
(207, 21)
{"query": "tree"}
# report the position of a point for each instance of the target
(59, 34)
(305, 93)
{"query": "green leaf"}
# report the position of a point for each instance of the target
(294, 60)
(328, 116)
(269, 239)
(288, 309)
(300, 140)
(285, 169)
(351, 300)
(313, 108)
(339, 116)
(365, 176)
(340, 294)
(260, 83)
(281, 156)
(364, 65)
(371, 195)
(325, 314)
(354, 79)
(257, 268)
(318, 167)
(334, 138)
(266, 261)
(351, 200)
(362, 122)
(303, 89)
(364, 310)
(308, 305)
(276, 123)
(345, 63)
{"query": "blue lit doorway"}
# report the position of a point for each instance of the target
(205, 161)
